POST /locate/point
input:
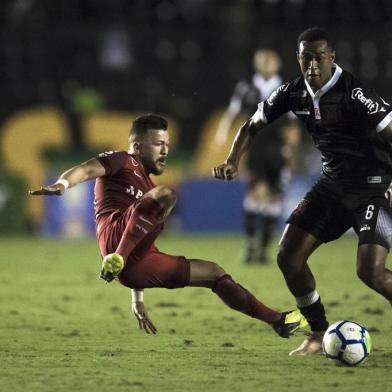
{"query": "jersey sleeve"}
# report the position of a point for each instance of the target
(276, 105)
(112, 161)
(371, 108)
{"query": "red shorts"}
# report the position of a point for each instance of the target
(146, 266)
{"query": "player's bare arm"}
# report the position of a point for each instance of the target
(88, 170)
(386, 133)
(242, 141)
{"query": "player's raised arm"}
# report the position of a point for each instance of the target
(88, 170)
(242, 141)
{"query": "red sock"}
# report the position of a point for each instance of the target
(144, 219)
(238, 298)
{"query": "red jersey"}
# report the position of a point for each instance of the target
(124, 182)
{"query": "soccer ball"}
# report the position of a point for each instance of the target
(347, 343)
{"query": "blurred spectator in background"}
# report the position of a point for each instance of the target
(270, 159)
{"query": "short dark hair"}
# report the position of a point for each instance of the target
(149, 121)
(315, 34)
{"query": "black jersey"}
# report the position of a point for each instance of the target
(344, 119)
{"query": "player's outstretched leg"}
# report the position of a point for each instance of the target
(209, 274)
(144, 217)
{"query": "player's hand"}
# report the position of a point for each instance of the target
(226, 171)
(388, 194)
(49, 190)
(145, 323)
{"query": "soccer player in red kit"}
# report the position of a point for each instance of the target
(130, 211)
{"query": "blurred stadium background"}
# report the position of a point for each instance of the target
(74, 73)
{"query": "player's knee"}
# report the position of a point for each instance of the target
(165, 196)
(216, 271)
(287, 264)
(281, 260)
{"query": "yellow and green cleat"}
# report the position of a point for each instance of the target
(112, 265)
(290, 323)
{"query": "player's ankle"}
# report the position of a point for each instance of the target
(315, 315)
(317, 334)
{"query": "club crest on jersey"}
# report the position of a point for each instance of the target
(134, 192)
(371, 106)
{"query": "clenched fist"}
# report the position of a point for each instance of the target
(226, 171)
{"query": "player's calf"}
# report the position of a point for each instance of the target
(374, 281)
(144, 218)
(235, 296)
(239, 298)
(371, 260)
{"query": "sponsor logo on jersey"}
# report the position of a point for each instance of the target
(365, 227)
(142, 218)
(371, 106)
(106, 153)
(141, 228)
(272, 97)
(134, 192)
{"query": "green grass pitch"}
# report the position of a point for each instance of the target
(63, 329)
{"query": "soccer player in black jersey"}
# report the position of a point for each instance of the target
(352, 127)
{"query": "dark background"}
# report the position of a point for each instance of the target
(180, 58)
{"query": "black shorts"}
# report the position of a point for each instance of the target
(329, 209)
